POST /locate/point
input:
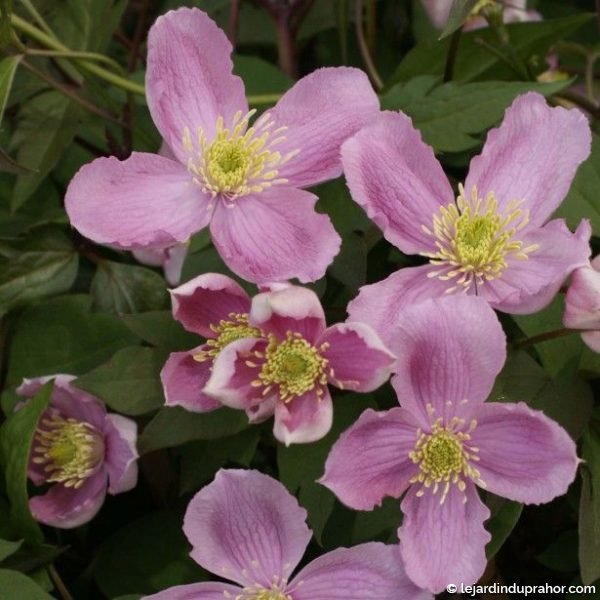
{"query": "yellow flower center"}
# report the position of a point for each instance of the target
(227, 331)
(70, 450)
(257, 592)
(474, 239)
(294, 366)
(444, 456)
(238, 160)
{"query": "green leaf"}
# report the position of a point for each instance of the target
(129, 382)
(459, 13)
(8, 68)
(21, 586)
(451, 116)
(173, 426)
(159, 328)
(378, 524)
(122, 288)
(561, 554)
(505, 514)
(16, 438)
(10, 165)
(260, 77)
(8, 548)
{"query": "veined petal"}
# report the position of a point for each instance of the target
(189, 79)
(532, 156)
(370, 459)
(444, 543)
(198, 591)
(320, 112)
(275, 235)
(246, 527)
(120, 435)
(396, 178)
(582, 302)
(524, 455)
(145, 200)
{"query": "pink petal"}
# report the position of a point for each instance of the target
(370, 570)
(320, 112)
(449, 350)
(67, 507)
(582, 302)
(183, 380)
(358, 357)
(206, 300)
(146, 200)
(396, 178)
(370, 460)
(304, 419)
(198, 591)
(189, 80)
(532, 156)
(524, 455)
(292, 308)
(120, 435)
(170, 259)
(527, 286)
(592, 339)
(275, 235)
(444, 543)
(381, 304)
(438, 11)
(246, 527)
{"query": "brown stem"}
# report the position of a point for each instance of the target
(544, 337)
(234, 22)
(58, 583)
(364, 48)
(286, 47)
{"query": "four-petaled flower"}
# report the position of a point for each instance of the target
(81, 451)
(242, 178)
(445, 440)
(247, 528)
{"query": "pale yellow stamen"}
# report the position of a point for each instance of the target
(474, 239)
(257, 592)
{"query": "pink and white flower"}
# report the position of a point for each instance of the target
(582, 303)
(170, 259)
(242, 179)
(81, 451)
(445, 440)
(494, 239)
(285, 370)
(247, 528)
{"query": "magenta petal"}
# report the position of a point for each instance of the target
(527, 286)
(275, 235)
(146, 200)
(67, 507)
(206, 300)
(120, 435)
(183, 380)
(189, 80)
(366, 571)
(246, 527)
(357, 356)
(198, 591)
(303, 419)
(524, 455)
(532, 156)
(380, 304)
(320, 112)
(396, 178)
(370, 460)
(444, 543)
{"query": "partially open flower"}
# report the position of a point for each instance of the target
(81, 451)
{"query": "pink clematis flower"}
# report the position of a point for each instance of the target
(242, 179)
(80, 450)
(285, 370)
(247, 528)
(493, 240)
(445, 440)
(582, 303)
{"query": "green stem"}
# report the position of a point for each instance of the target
(37, 17)
(452, 52)
(544, 337)
(76, 54)
(58, 583)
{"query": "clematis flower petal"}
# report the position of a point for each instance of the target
(321, 111)
(120, 435)
(592, 339)
(582, 302)
(145, 200)
(189, 80)
(444, 543)
(170, 259)
(527, 286)
(396, 178)
(304, 419)
(524, 455)
(197, 591)
(370, 459)
(450, 350)
(206, 300)
(532, 156)
(370, 570)
(274, 236)
(183, 379)
(246, 527)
